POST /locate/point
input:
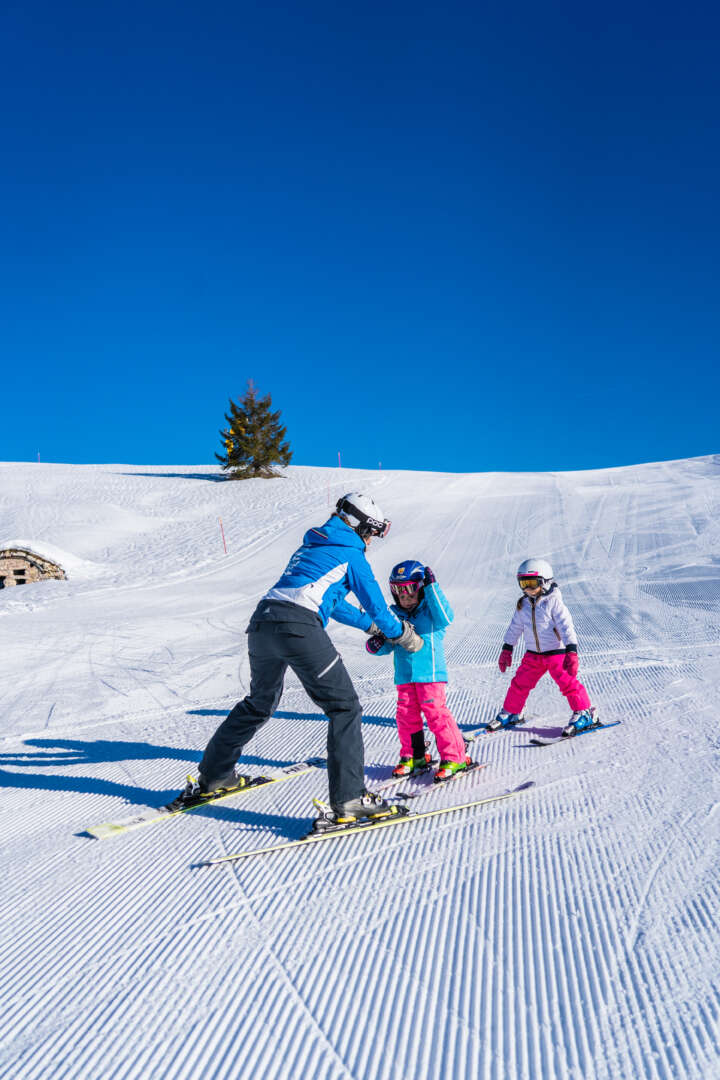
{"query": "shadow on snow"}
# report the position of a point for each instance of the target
(214, 477)
(368, 718)
(65, 753)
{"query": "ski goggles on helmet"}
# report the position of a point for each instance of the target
(367, 525)
(405, 588)
(375, 527)
(531, 582)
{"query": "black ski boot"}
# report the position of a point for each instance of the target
(366, 808)
(196, 791)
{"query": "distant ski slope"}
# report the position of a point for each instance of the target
(568, 934)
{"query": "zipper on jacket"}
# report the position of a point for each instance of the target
(537, 639)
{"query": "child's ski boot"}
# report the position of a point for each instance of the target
(504, 719)
(582, 720)
(412, 766)
(448, 769)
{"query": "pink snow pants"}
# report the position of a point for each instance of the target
(528, 675)
(428, 699)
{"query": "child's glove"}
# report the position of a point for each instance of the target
(505, 658)
(409, 639)
(375, 643)
(429, 578)
(570, 663)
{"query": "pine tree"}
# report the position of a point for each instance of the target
(254, 438)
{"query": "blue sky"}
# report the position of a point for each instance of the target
(453, 238)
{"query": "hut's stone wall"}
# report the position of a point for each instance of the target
(20, 567)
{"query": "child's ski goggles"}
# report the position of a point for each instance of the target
(530, 582)
(405, 588)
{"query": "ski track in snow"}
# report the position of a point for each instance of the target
(569, 933)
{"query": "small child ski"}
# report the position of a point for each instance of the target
(421, 678)
(551, 645)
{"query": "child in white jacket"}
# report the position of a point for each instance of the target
(551, 645)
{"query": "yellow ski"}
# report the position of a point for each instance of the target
(366, 827)
(138, 821)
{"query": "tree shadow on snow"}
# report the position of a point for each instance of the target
(214, 477)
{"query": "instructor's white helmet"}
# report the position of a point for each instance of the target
(363, 515)
(534, 569)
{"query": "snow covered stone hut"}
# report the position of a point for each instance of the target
(20, 566)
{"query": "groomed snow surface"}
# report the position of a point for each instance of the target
(568, 932)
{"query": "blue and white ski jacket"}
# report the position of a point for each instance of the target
(330, 564)
(430, 619)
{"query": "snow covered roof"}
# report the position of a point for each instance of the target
(46, 551)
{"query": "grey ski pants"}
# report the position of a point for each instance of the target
(273, 647)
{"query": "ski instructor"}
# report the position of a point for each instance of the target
(287, 630)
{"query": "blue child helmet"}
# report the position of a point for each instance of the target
(407, 577)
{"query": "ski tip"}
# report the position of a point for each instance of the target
(101, 832)
(472, 736)
(87, 834)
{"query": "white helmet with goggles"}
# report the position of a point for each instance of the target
(363, 515)
(534, 573)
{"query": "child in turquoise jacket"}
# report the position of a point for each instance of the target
(420, 677)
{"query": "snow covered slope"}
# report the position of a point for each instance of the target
(568, 933)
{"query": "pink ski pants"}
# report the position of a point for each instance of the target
(528, 675)
(428, 699)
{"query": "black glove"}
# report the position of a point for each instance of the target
(429, 578)
(375, 643)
